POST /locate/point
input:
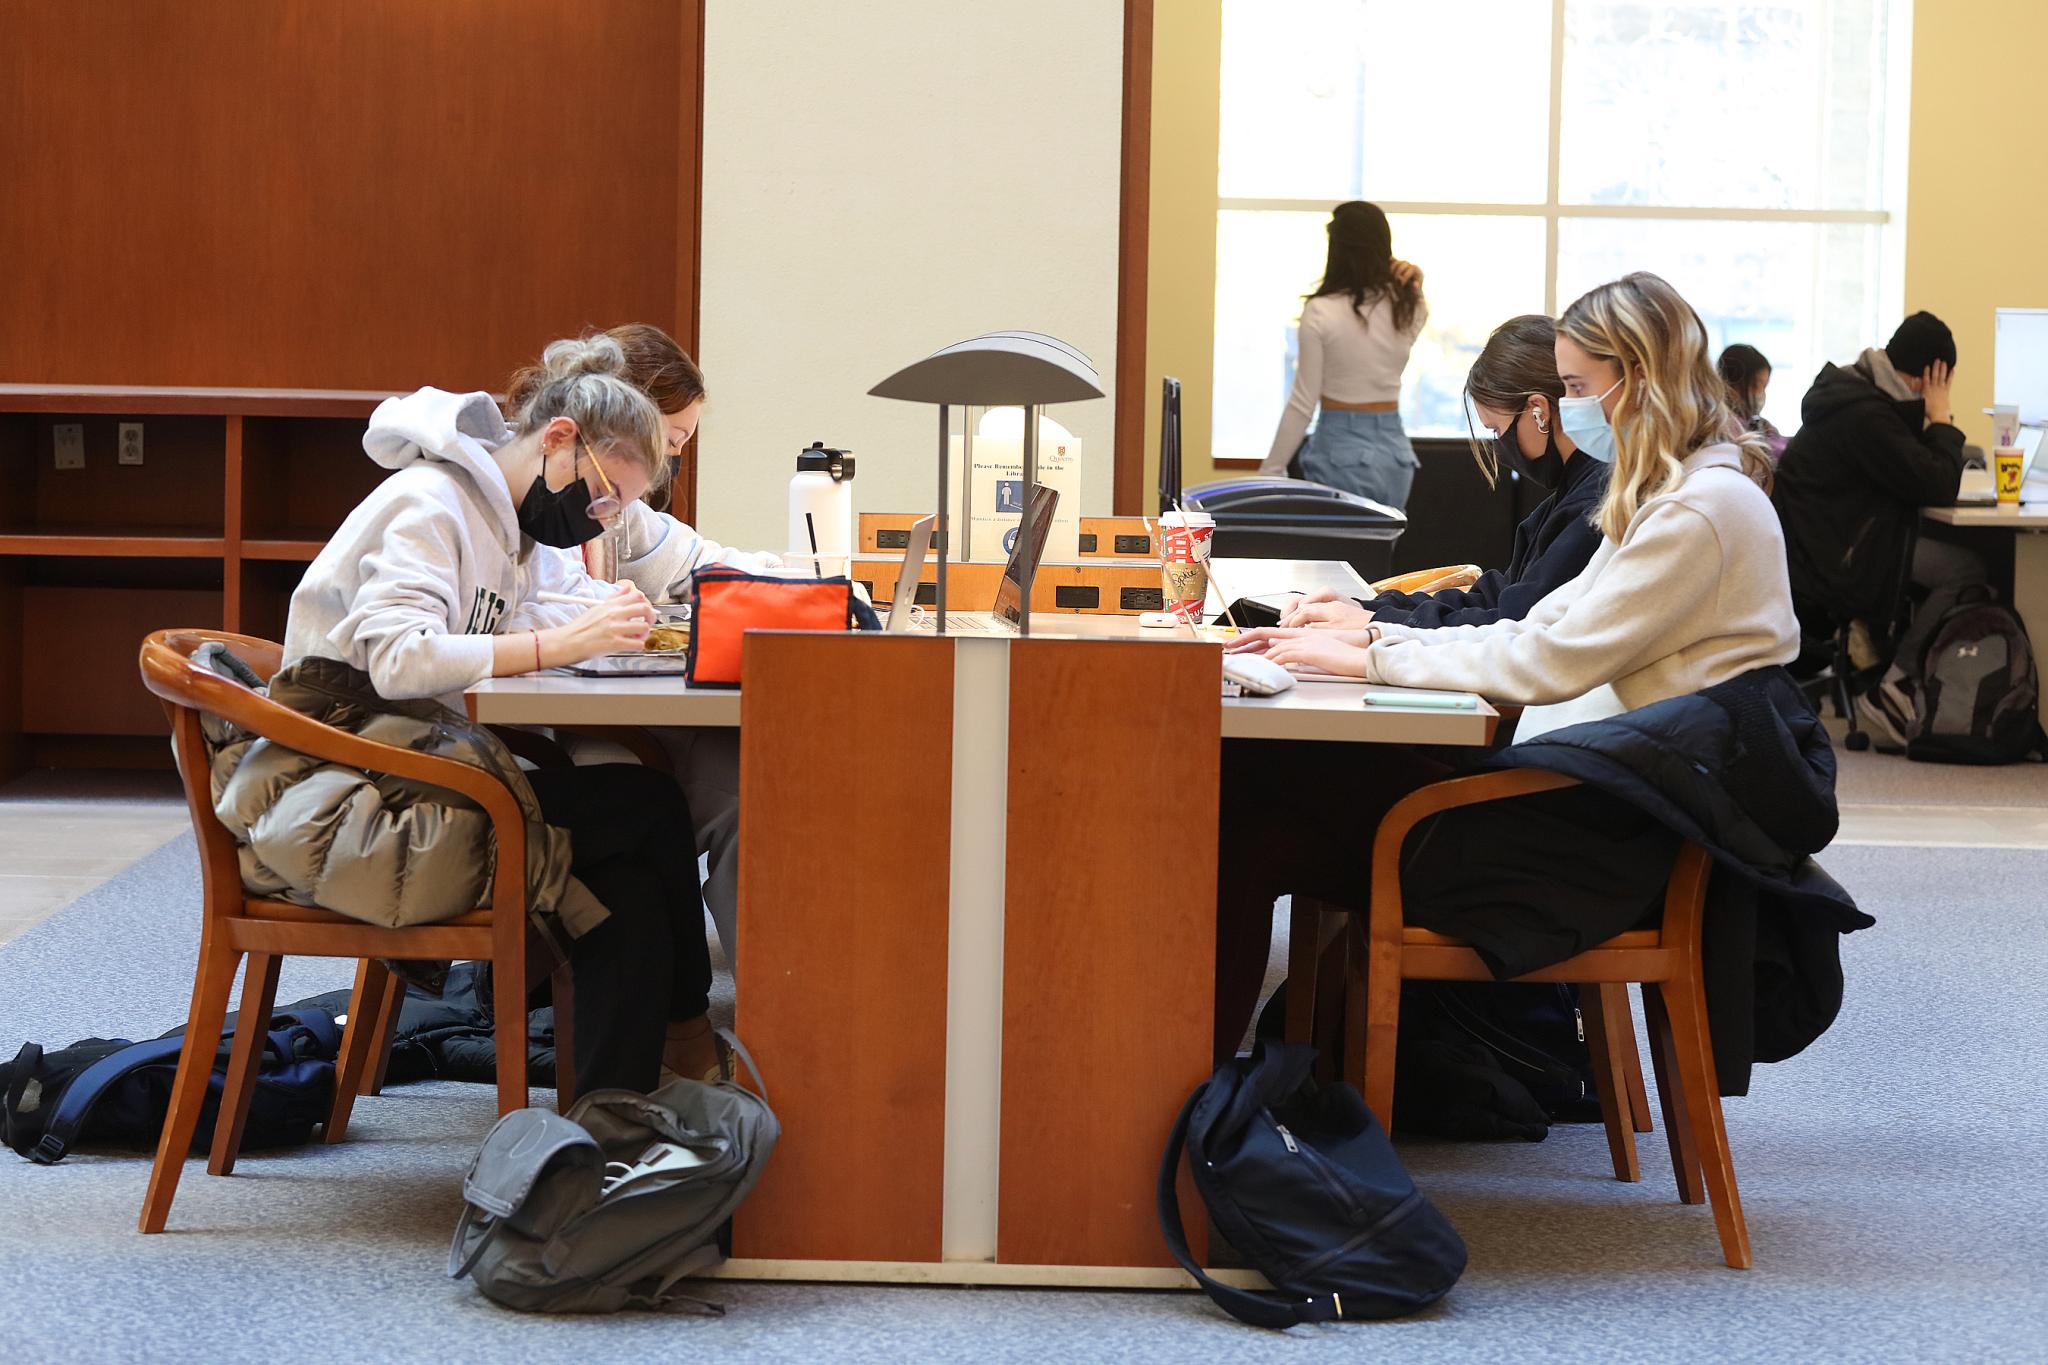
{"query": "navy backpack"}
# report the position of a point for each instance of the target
(1302, 1182)
(109, 1090)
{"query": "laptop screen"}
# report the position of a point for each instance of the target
(1031, 532)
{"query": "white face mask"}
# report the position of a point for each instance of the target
(1585, 421)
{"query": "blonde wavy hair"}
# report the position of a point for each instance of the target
(1673, 401)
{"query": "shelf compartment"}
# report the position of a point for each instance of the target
(178, 490)
(88, 640)
(300, 478)
(119, 542)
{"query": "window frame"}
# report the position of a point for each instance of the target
(1890, 218)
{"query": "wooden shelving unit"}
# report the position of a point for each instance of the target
(237, 492)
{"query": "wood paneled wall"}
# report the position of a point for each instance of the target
(371, 195)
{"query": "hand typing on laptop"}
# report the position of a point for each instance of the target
(1309, 650)
(1326, 609)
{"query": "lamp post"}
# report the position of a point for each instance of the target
(996, 369)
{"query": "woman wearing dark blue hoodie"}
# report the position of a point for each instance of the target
(1513, 390)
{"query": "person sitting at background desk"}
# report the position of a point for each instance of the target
(1514, 389)
(1878, 442)
(1686, 590)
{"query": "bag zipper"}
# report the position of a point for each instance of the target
(1318, 1163)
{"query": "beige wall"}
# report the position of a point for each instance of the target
(1965, 258)
(1962, 261)
(880, 180)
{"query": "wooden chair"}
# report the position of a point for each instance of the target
(233, 923)
(1430, 580)
(1665, 961)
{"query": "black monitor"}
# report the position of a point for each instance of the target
(1169, 444)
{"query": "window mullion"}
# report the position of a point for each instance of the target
(1550, 213)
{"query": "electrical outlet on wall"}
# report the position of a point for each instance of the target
(129, 449)
(69, 439)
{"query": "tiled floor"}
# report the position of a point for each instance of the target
(62, 836)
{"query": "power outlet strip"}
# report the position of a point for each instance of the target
(69, 440)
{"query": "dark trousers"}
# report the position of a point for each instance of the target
(648, 963)
(1526, 882)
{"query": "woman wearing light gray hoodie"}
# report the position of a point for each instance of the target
(432, 584)
(660, 554)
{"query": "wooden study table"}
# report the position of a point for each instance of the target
(2029, 523)
(977, 898)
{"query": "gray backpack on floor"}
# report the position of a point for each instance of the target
(612, 1204)
(1978, 700)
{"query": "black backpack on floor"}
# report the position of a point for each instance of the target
(1302, 1182)
(112, 1091)
(1979, 698)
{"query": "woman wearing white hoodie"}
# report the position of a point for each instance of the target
(1687, 589)
(432, 585)
(660, 554)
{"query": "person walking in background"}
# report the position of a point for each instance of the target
(1747, 373)
(1357, 329)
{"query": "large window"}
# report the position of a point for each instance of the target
(1527, 150)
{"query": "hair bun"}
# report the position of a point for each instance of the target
(594, 354)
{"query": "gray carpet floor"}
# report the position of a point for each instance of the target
(1891, 1175)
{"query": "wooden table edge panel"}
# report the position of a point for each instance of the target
(1108, 940)
(845, 1012)
(992, 1273)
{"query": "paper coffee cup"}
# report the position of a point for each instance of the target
(2009, 466)
(1184, 540)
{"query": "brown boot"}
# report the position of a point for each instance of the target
(693, 1050)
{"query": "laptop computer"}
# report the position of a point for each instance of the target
(1033, 528)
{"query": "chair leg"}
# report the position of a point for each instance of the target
(210, 987)
(1685, 1004)
(1382, 989)
(1685, 1158)
(385, 1029)
(358, 1040)
(245, 1060)
(1304, 934)
(565, 1038)
(1638, 1097)
(1604, 1007)
(1332, 969)
(509, 1026)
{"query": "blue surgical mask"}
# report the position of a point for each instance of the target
(1585, 421)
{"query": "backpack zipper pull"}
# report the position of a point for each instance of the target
(1579, 1022)
(1287, 1138)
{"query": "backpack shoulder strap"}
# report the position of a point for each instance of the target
(75, 1106)
(1260, 1310)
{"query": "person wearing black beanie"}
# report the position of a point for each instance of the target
(1921, 340)
(1878, 442)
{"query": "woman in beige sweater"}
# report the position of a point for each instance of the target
(1687, 589)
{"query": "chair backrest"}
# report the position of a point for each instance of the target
(189, 690)
(1431, 580)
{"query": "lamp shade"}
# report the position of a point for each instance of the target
(997, 369)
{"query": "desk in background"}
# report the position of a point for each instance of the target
(2029, 524)
(977, 898)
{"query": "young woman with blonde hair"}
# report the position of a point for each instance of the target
(434, 583)
(1686, 590)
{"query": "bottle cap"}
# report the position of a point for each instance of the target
(817, 458)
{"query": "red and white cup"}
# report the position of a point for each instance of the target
(1184, 539)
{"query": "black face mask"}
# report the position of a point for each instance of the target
(1546, 470)
(559, 517)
